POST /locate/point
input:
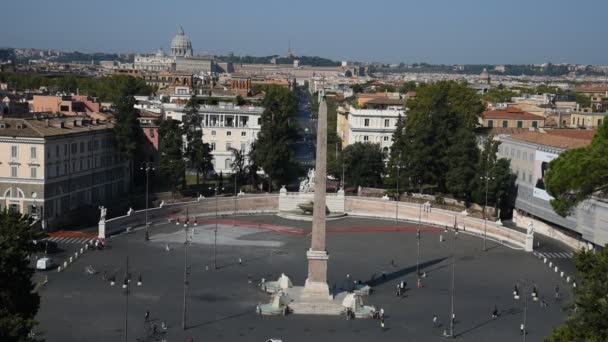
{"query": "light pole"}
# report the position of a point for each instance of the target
(235, 195)
(418, 253)
(215, 230)
(147, 167)
(485, 220)
(534, 295)
(397, 196)
(185, 275)
(452, 317)
(126, 285)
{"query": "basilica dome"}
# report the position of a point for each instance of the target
(181, 45)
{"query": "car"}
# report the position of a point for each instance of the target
(44, 263)
(274, 340)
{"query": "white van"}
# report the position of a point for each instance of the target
(44, 263)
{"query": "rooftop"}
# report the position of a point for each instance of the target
(43, 127)
(591, 89)
(510, 113)
(552, 140)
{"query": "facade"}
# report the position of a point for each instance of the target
(511, 117)
(587, 119)
(157, 62)
(530, 154)
(69, 105)
(368, 125)
(225, 127)
(52, 167)
(166, 79)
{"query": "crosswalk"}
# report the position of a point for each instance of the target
(554, 255)
(77, 240)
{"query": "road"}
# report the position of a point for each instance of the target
(305, 148)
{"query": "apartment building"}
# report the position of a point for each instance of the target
(511, 117)
(51, 167)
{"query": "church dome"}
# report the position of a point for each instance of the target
(181, 45)
(484, 76)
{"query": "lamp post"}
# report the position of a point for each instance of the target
(126, 285)
(397, 196)
(418, 253)
(215, 230)
(146, 166)
(452, 317)
(235, 195)
(485, 220)
(186, 273)
(534, 294)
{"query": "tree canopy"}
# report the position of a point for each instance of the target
(579, 173)
(273, 147)
(363, 164)
(587, 323)
(172, 163)
(18, 303)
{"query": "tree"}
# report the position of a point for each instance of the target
(18, 301)
(439, 111)
(499, 95)
(273, 152)
(396, 161)
(588, 322)
(172, 164)
(579, 173)
(238, 164)
(583, 100)
(462, 158)
(363, 164)
(200, 157)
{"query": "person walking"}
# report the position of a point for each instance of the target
(147, 317)
(382, 325)
(419, 283)
(557, 293)
(495, 312)
(434, 320)
(522, 329)
(381, 313)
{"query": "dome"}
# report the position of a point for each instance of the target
(160, 53)
(485, 76)
(181, 45)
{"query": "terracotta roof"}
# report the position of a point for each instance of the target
(551, 140)
(385, 101)
(585, 134)
(506, 130)
(510, 113)
(591, 89)
(41, 128)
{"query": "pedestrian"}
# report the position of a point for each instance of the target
(522, 329)
(381, 313)
(147, 315)
(398, 290)
(163, 325)
(154, 329)
(393, 263)
(240, 262)
(104, 275)
(347, 275)
(167, 248)
(434, 320)
(543, 303)
(383, 275)
(495, 312)
(557, 293)
(419, 283)
(382, 324)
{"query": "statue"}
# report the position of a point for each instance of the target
(102, 216)
(308, 184)
(130, 211)
(530, 228)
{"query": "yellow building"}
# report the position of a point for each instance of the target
(511, 117)
(55, 167)
(587, 119)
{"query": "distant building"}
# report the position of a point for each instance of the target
(54, 167)
(580, 119)
(511, 117)
(69, 105)
(530, 154)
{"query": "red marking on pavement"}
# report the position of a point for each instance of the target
(72, 234)
(382, 229)
(245, 224)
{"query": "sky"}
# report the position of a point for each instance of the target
(389, 31)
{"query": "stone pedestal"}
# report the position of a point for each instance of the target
(316, 283)
(102, 229)
(529, 243)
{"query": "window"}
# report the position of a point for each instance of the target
(212, 146)
(366, 123)
(82, 147)
(245, 133)
(530, 177)
(386, 122)
(212, 132)
(228, 164)
(228, 133)
(65, 149)
(33, 172)
(259, 121)
(89, 145)
(520, 124)
(490, 123)
(385, 138)
(13, 171)
(518, 154)
(505, 123)
(13, 151)
(74, 148)
(81, 164)
(243, 147)
(535, 124)
(525, 155)
(365, 138)
(33, 153)
(599, 122)
(57, 151)
(228, 146)
(531, 156)
(57, 170)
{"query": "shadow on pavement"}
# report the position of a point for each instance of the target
(248, 312)
(400, 273)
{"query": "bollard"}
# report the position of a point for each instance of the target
(65, 264)
(555, 269)
(58, 268)
(551, 264)
(561, 274)
(81, 251)
(545, 261)
(71, 260)
(440, 238)
(76, 255)
(567, 279)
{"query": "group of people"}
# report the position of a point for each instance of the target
(401, 288)
(154, 326)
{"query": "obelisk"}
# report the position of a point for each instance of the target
(316, 283)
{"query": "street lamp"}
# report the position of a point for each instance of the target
(215, 230)
(485, 220)
(418, 253)
(186, 273)
(516, 295)
(397, 196)
(452, 292)
(146, 166)
(126, 285)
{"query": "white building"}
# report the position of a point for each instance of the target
(156, 62)
(369, 125)
(225, 126)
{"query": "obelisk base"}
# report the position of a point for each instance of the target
(316, 283)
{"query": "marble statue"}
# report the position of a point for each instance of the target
(102, 216)
(530, 228)
(308, 184)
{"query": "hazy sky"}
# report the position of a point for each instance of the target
(435, 31)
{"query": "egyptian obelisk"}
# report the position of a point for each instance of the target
(316, 283)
